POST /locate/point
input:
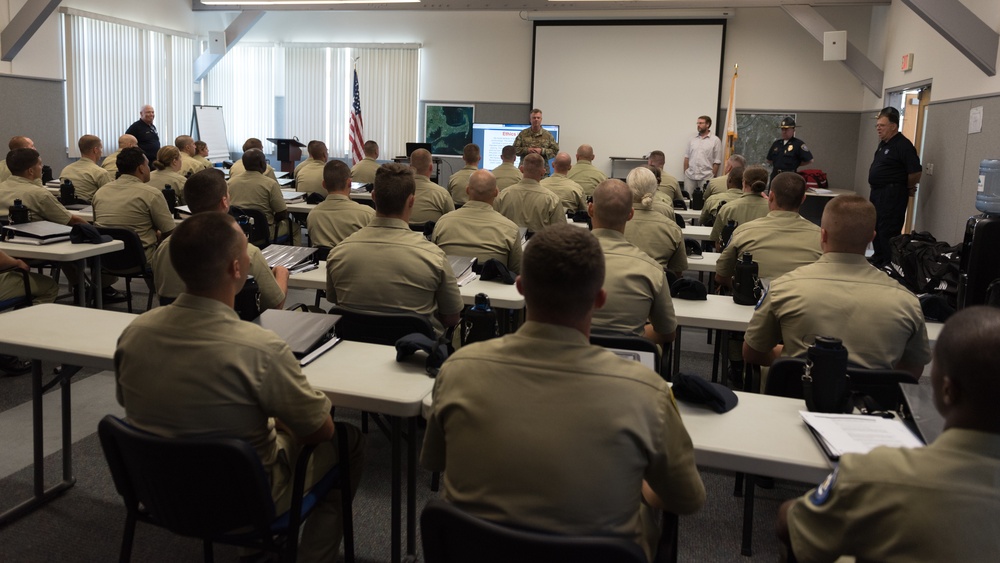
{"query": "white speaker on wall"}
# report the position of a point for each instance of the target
(217, 42)
(834, 45)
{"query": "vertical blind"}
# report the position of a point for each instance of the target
(107, 83)
(318, 88)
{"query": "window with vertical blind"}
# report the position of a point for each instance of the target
(316, 83)
(113, 68)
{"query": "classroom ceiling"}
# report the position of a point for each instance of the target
(524, 5)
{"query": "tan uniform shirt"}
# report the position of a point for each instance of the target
(507, 175)
(589, 428)
(129, 203)
(190, 165)
(336, 218)
(716, 185)
(843, 296)
(111, 162)
(4, 170)
(238, 169)
(937, 503)
(86, 176)
(254, 377)
(160, 179)
(530, 205)
(637, 290)
(586, 175)
(658, 237)
(711, 208)
(169, 284)
(309, 176)
(364, 171)
(254, 190)
(743, 209)
(670, 187)
(430, 201)
(478, 230)
(41, 204)
(570, 193)
(386, 267)
(779, 243)
(459, 181)
(205, 163)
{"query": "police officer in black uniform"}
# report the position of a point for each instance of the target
(893, 178)
(788, 153)
(145, 132)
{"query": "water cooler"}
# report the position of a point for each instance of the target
(980, 263)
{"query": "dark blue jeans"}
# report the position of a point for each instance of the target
(890, 208)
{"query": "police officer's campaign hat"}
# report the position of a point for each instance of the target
(787, 123)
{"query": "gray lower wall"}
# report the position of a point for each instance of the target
(947, 198)
(36, 108)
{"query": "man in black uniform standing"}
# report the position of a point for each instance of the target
(789, 152)
(893, 178)
(145, 132)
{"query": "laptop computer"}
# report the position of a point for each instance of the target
(921, 412)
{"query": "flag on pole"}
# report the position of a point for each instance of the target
(357, 126)
(731, 133)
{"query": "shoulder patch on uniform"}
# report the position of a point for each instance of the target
(804, 147)
(821, 494)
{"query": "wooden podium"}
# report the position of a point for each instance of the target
(289, 153)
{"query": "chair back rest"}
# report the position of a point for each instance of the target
(260, 233)
(784, 379)
(450, 535)
(379, 328)
(192, 486)
(321, 253)
(679, 220)
(131, 259)
(626, 342)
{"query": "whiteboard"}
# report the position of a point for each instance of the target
(639, 86)
(208, 125)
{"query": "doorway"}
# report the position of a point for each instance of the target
(912, 104)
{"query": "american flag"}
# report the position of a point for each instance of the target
(357, 126)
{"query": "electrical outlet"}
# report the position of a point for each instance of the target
(930, 169)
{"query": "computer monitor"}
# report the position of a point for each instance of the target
(493, 137)
(410, 147)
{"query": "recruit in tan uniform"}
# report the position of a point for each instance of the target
(749, 206)
(579, 406)
(584, 172)
(570, 193)
(207, 191)
(25, 166)
(638, 301)
(719, 184)
(476, 229)
(669, 186)
(527, 203)
(734, 181)
(841, 295)
(87, 176)
(309, 173)
(780, 242)
(189, 164)
(166, 171)
(937, 503)
(17, 142)
(338, 216)
(459, 180)
(364, 171)
(651, 232)
(431, 200)
(507, 174)
(387, 267)
(111, 161)
(254, 190)
(238, 168)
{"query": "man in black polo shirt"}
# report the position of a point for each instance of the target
(893, 178)
(145, 132)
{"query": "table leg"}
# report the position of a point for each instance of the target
(746, 546)
(411, 489)
(95, 274)
(40, 495)
(81, 283)
(397, 479)
(677, 353)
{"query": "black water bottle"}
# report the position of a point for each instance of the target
(825, 383)
(480, 321)
(697, 199)
(67, 193)
(171, 196)
(746, 289)
(18, 213)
